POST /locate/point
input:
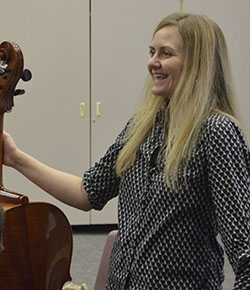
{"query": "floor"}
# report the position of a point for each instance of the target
(86, 240)
(88, 244)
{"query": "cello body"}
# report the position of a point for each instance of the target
(36, 236)
(37, 245)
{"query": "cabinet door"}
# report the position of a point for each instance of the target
(121, 32)
(46, 121)
(233, 18)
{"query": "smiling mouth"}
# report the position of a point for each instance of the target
(160, 76)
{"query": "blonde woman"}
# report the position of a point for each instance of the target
(181, 168)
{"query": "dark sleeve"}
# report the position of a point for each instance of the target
(228, 159)
(101, 181)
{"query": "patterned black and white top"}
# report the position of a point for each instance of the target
(167, 239)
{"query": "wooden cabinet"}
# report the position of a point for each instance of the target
(46, 121)
(82, 52)
(121, 33)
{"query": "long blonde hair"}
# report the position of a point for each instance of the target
(204, 87)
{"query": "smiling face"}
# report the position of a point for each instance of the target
(166, 61)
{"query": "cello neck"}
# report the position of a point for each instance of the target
(1, 150)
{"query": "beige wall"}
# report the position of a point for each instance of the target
(233, 18)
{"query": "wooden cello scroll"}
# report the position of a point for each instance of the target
(36, 236)
(11, 71)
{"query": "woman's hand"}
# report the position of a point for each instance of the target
(63, 186)
(10, 150)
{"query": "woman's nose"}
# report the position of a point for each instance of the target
(154, 62)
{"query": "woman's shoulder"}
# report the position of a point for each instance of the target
(223, 129)
(221, 124)
(220, 121)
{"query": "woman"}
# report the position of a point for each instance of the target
(181, 169)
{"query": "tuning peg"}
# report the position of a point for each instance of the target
(2, 71)
(26, 76)
(19, 92)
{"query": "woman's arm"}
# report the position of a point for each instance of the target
(63, 186)
(228, 168)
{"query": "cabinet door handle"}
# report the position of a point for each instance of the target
(82, 109)
(98, 109)
(181, 5)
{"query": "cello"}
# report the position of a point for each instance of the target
(36, 236)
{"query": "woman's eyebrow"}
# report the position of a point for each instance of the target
(162, 48)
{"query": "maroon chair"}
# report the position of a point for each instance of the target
(102, 275)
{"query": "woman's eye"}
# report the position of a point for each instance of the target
(163, 53)
(166, 54)
(151, 53)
